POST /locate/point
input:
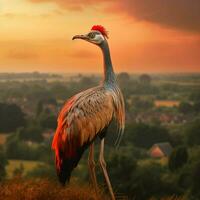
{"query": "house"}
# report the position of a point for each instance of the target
(160, 150)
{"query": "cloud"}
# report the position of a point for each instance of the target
(21, 55)
(179, 14)
(75, 5)
(10, 15)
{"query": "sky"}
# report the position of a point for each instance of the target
(145, 36)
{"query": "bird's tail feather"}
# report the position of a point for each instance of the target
(64, 173)
(119, 137)
(67, 165)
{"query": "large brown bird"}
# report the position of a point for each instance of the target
(87, 115)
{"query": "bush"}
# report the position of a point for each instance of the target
(121, 167)
(192, 133)
(47, 121)
(16, 149)
(31, 133)
(195, 192)
(3, 163)
(185, 108)
(147, 182)
(11, 117)
(178, 158)
(144, 135)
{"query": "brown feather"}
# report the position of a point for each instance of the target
(81, 119)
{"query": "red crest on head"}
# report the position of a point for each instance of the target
(101, 29)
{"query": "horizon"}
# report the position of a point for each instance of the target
(99, 73)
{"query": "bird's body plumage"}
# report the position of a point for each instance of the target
(84, 117)
(87, 115)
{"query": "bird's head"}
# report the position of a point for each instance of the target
(97, 35)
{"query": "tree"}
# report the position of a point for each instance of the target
(197, 106)
(39, 108)
(195, 96)
(145, 79)
(124, 82)
(192, 133)
(32, 132)
(48, 121)
(178, 158)
(122, 167)
(185, 108)
(87, 82)
(123, 78)
(19, 149)
(11, 117)
(196, 181)
(147, 181)
(144, 135)
(142, 104)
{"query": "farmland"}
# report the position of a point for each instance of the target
(16, 164)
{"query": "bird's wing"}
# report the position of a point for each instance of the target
(81, 119)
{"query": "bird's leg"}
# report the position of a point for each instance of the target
(91, 164)
(103, 166)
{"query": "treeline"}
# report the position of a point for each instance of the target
(33, 75)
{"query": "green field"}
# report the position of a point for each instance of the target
(162, 161)
(27, 165)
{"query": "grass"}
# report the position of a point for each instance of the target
(161, 161)
(40, 189)
(27, 165)
(170, 198)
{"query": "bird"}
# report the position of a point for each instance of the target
(87, 116)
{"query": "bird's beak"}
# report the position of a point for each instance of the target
(83, 37)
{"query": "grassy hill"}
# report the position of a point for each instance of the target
(40, 189)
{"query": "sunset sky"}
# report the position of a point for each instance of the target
(144, 35)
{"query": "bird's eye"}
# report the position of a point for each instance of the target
(91, 35)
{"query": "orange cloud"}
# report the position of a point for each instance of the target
(184, 14)
(76, 5)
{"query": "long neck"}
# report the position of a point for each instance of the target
(109, 75)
